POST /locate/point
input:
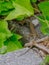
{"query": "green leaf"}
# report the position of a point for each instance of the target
(44, 7)
(5, 7)
(46, 60)
(33, 1)
(2, 39)
(44, 28)
(8, 41)
(22, 8)
(4, 32)
(18, 36)
(3, 50)
(4, 29)
(12, 43)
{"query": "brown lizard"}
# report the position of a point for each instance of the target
(33, 31)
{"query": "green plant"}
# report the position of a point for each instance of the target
(33, 1)
(46, 61)
(22, 9)
(44, 18)
(5, 7)
(12, 9)
(8, 41)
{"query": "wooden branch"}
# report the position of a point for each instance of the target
(42, 47)
(35, 43)
(42, 39)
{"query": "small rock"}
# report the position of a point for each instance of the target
(35, 22)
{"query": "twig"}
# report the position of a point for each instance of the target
(42, 39)
(42, 47)
(35, 43)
